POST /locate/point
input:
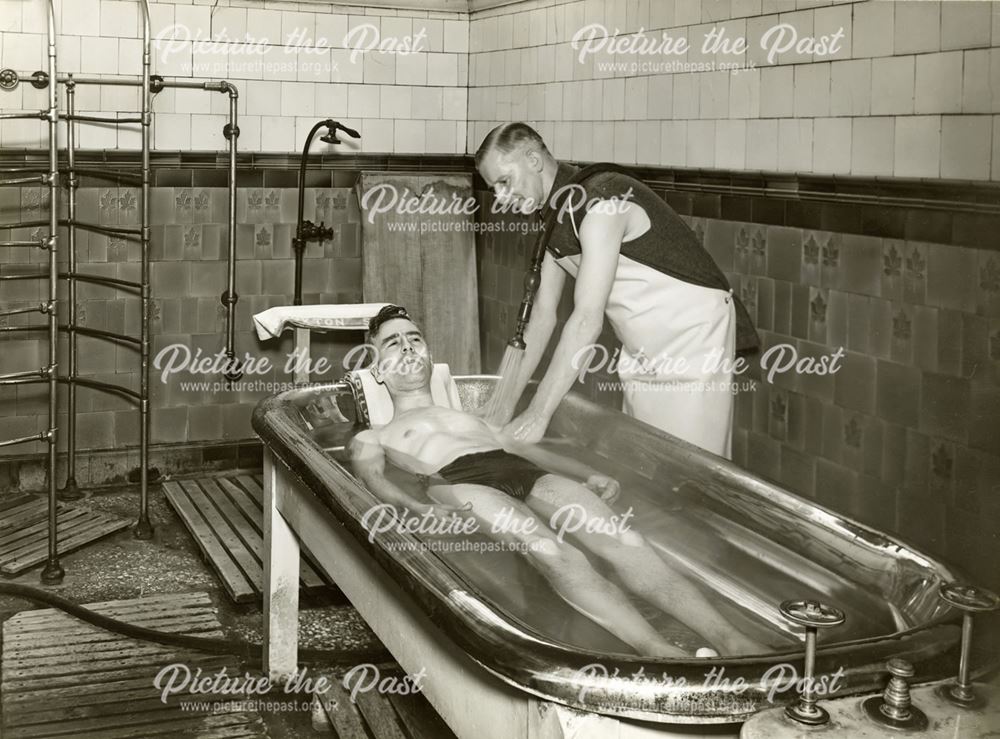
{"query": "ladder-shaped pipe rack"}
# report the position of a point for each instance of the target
(149, 85)
(52, 572)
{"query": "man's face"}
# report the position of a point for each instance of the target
(403, 361)
(515, 178)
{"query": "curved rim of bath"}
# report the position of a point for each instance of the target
(544, 667)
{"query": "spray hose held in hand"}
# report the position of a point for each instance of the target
(248, 651)
(532, 278)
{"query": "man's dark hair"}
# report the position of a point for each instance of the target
(388, 313)
(509, 136)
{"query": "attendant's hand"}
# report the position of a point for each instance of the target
(607, 487)
(528, 428)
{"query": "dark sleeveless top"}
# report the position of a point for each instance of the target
(669, 246)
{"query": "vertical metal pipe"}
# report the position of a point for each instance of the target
(233, 371)
(71, 491)
(53, 572)
(143, 527)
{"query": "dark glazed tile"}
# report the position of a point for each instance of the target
(855, 383)
(841, 217)
(883, 221)
(945, 406)
(928, 225)
(784, 253)
(769, 211)
(898, 393)
(978, 230)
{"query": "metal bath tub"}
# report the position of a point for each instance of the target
(748, 543)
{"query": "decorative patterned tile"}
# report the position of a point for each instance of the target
(941, 475)
(901, 347)
(818, 302)
(915, 273)
(989, 283)
(811, 272)
(893, 253)
(778, 415)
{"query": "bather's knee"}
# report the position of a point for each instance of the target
(632, 538)
(543, 547)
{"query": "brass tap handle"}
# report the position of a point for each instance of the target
(896, 698)
(813, 615)
(893, 708)
(970, 600)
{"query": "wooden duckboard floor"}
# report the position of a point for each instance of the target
(24, 531)
(63, 677)
(376, 714)
(225, 517)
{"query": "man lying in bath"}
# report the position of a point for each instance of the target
(485, 475)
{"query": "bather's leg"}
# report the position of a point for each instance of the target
(638, 566)
(563, 565)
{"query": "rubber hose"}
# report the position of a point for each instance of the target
(252, 653)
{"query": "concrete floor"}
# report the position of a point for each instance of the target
(120, 566)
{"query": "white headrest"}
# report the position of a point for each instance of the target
(379, 403)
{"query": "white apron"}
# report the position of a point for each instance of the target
(660, 321)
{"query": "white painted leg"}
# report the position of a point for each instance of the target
(281, 577)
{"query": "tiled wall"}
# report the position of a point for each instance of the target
(188, 275)
(904, 435)
(412, 102)
(912, 91)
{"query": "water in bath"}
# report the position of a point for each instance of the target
(739, 569)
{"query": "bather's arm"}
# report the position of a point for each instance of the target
(368, 460)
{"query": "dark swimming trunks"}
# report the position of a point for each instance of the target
(498, 469)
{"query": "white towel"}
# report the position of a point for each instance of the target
(355, 316)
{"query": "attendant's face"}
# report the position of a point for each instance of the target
(515, 178)
(404, 360)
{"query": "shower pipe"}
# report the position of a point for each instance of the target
(53, 572)
(306, 231)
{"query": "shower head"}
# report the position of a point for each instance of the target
(332, 127)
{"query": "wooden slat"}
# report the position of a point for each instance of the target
(253, 514)
(342, 712)
(379, 715)
(66, 683)
(28, 559)
(419, 718)
(24, 532)
(225, 517)
(224, 532)
(139, 606)
(235, 583)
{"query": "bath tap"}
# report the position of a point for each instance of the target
(306, 231)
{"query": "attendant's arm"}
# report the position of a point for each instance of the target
(550, 461)
(566, 466)
(542, 321)
(601, 235)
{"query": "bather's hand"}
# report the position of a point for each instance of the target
(528, 428)
(607, 487)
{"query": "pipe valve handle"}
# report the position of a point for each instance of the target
(812, 613)
(969, 598)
